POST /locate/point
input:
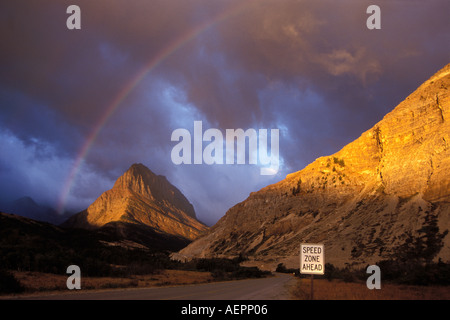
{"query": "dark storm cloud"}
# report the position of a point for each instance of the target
(324, 47)
(310, 68)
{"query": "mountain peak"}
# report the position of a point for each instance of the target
(25, 201)
(137, 178)
(140, 196)
(140, 169)
(141, 180)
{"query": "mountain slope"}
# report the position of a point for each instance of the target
(141, 198)
(31, 245)
(385, 191)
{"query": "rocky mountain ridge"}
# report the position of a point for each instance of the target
(140, 197)
(387, 190)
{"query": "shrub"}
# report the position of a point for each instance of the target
(281, 268)
(8, 283)
(339, 161)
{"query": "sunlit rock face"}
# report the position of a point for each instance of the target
(388, 187)
(141, 197)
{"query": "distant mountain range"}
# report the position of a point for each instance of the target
(384, 195)
(28, 208)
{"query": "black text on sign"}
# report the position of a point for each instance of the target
(312, 258)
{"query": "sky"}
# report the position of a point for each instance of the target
(79, 107)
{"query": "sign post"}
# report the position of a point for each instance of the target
(312, 261)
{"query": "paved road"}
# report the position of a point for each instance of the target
(272, 288)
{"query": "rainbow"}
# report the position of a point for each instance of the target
(172, 47)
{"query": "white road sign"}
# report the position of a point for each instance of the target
(312, 258)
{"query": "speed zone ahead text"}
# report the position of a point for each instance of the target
(312, 259)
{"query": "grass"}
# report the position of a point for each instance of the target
(39, 282)
(340, 290)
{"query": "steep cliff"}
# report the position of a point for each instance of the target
(388, 189)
